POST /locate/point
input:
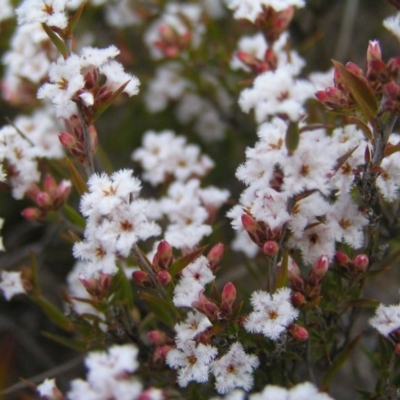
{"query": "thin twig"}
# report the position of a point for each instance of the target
(60, 369)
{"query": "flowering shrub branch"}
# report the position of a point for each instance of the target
(155, 299)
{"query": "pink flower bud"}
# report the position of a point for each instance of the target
(164, 277)
(246, 58)
(228, 297)
(67, 140)
(141, 278)
(271, 248)
(215, 255)
(298, 333)
(164, 255)
(297, 299)
(43, 200)
(49, 184)
(157, 337)
(160, 354)
(206, 306)
(361, 261)
(342, 258)
(32, 214)
(318, 270)
(253, 229)
(374, 51)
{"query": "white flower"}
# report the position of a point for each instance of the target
(6, 10)
(393, 24)
(276, 92)
(50, 12)
(164, 155)
(48, 389)
(302, 391)
(194, 324)
(116, 77)
(116, 220)
(11, 284)
(386, 319)
(234, 370)
(191, 361)
(251, 9)
(272, 313)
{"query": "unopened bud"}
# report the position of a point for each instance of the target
(297, 299)
(141, 278)
(342, 258)
(67, 140)
(163, 257)
(361, 261)
(374, 51)
(215, 255)
(49, 184)
(206, 306)
(43, 200)
(298, 333)
(228, 297)
(271, 248)
(318, 270)
(253, 229)
(164, 277)
(160, 354)
(157, 337)
(32, 214)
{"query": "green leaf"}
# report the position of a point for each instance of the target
(180, 264)
(75, 18)
(107, 104)
(339, 361)
(74, 216)
(292, 137)
(364, 303)
(77, 180)
(75, 345)
(56, 40)
(123, 288)
(162, 309)
(361, 92)
(362, 126)
(54, 314)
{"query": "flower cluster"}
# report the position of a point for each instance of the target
(116, 220)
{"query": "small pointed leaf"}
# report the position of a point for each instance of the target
(292, 137)
(77, 181)
(180, 264)
(107, 104)
(281, 280)
(361, 92)
(56, 40)
(160, 307)
(339, 361)
(54, 314)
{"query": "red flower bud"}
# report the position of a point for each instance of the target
(318, 270)
(228, 297)
(361, 261)
(157, 337)
(141, 278)
(164, 277)
(342, 258)
(271, 248)
(298, 333)
(297, 299)
(32, 214)
(215, 255)
(164, 255)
